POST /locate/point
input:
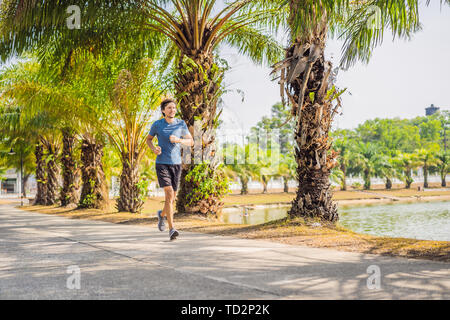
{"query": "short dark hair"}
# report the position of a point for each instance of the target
(165, 102)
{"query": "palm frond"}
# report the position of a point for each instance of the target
(259, 47)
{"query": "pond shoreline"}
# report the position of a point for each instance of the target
(352, 202)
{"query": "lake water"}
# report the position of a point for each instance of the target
(421, 220)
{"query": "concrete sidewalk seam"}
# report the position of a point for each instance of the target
(174, 269)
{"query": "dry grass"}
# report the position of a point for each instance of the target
(7, 202)
(414, 193)
(295, 232)
(156, 203)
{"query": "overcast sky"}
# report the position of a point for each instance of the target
(402, 78)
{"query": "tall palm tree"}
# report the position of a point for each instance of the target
(367, 161)
(24, 130)
(23, 151)
(286, 169)
(22, 80)
(41, 95)
(386, 169)
(343, 145)
(443, 165)
(69, 191)
(408, 162)
(305, 79)
(239, 165)
(118, 102)
(104, 25)
(428, 158)
(267, 167)
(124, 114)
(195, 32)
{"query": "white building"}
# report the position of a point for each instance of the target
(10, 183)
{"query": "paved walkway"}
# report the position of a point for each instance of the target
(135, 262)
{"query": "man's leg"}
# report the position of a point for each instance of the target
(174, 198)
(168, 205)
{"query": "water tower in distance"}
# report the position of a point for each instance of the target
(431, 110)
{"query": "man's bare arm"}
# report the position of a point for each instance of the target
(155, 149)
(188, 141)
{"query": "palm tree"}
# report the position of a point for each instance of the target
(336, 175)
(31, 127)
(386, 169)
(24, 130)
(286, 169)
(69, 191)
(268, 162)
(32, 84)
(408, 162)
(443, 165)
(367, 161)
(105, 26)
(343, 145)
(195, 33)
(117, 101)
(125, 117)
(23, 153)
(238, 164)
(22, 85)
(305, 79)
(428, 158)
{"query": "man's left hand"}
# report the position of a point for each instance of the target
(174, 139)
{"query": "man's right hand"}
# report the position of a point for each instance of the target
(157, 150)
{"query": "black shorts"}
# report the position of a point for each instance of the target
(168, 175)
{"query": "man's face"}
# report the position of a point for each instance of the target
(170, 110)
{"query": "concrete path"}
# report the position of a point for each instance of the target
(135, 262)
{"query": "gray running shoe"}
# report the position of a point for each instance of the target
(161, 224)
(173, 234)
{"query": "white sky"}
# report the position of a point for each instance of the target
(402, 78)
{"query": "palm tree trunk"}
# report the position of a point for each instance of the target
(41, 177)
(425, 175)
(408, 179)
(343, 182)
(366, 180)
(69, 194)
(388, 184)
(286, 186)
(93, 192)
(25, 180)
(129, 200)
(198, 100)
(264, 182)
(52, 174)
(313, 122)
(244, 185)
(443, 174)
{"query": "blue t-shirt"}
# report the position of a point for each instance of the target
(170, 152)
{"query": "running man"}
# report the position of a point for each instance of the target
(170, 132)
